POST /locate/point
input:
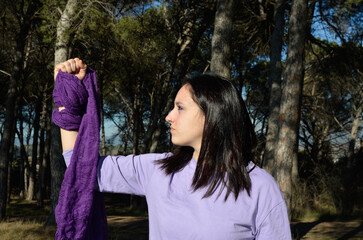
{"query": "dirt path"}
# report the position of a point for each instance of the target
(321, 230)
(136, 228)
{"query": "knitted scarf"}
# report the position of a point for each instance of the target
(80, 213)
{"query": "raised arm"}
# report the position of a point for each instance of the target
(78, 68)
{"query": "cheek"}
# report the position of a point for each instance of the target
(201, 122)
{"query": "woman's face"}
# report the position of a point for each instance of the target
(186, 120)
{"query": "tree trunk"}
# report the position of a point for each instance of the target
(33, 170)
(43, 125)
(349, 184)
(8, 132)
(155, 140)
(11, 151)
(137, 119)
(103, 135)
(57, 165)
(11, 154)
(275, 85)
(47, 153)
(24, 166)
(22, 154)
(11, 103)
(27, 166)
(356, 123)
(63, 32)
(57, 169)
(287, 146)
(221, 43)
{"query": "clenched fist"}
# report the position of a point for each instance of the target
(74, 66)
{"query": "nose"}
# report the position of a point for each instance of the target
(168, 118)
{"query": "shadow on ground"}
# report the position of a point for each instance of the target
(128, 228)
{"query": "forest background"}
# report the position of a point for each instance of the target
(298, 64)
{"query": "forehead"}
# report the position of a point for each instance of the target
(184, 94)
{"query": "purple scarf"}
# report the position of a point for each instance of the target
(80, 213)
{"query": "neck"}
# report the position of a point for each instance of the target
(196, 154)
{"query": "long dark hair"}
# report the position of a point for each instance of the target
(228, 142)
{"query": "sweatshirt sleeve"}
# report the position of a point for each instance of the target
(276, 225)
(67, 156)
(272, 221)
(124, 174)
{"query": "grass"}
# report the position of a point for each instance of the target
(326, 214)
(25, 230)
(26, 220)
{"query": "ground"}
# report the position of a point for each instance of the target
(26, 221)
(324, 230)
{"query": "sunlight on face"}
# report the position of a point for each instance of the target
(186, 120)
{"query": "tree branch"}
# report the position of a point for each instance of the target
(6, 73)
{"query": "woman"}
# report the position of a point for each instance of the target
(209, 188)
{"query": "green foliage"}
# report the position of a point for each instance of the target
(50, 14)
(254, 26)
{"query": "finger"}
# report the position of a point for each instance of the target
(68, 68)
(64, 68)
(73, 66)
(77, 62)
(80, 64)
(56, 71)
(82, 69)
(59, 67)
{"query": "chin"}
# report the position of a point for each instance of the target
(176, 143)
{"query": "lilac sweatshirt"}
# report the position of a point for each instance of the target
(176, 212)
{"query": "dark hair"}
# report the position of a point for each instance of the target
(228, 142)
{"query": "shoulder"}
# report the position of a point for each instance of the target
(263, 183)
(272, 221)
(266, 194)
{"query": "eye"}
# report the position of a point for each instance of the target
(180, 107)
